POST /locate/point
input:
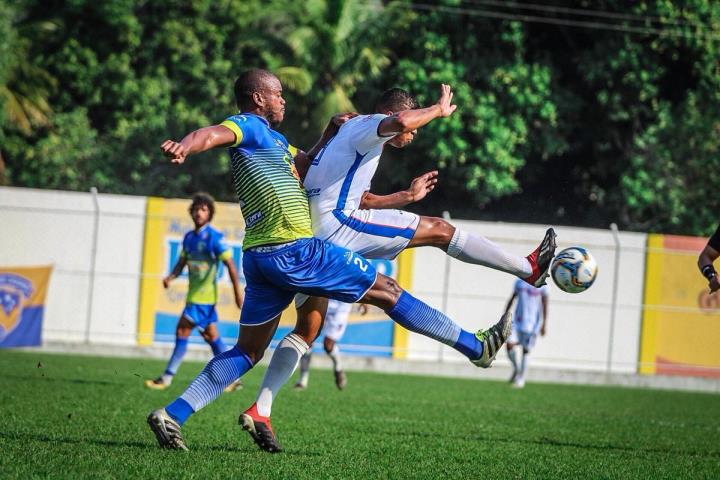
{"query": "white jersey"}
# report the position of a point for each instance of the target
(342, 171)
(529, 307)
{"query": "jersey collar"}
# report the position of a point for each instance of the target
(262, 119)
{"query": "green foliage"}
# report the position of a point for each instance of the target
(586, 126)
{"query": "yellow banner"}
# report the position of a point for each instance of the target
(166, 224)
(681, 320)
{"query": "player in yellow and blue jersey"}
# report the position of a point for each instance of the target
(282, 258)
(202, 250)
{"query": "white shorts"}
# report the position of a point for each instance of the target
(527, 340)
(336, 319)
(371, 233)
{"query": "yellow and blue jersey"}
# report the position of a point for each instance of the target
(272, 198)
(202, 251)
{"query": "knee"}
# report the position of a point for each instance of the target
(328, 345)
(442, 231)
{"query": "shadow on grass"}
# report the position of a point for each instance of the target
(250, 449)
(78, 381)
(547, 441)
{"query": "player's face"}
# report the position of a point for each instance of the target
(200, 215)
(402, 140)
(274, 102)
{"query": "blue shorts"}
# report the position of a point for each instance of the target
(200, 315)
(308, 266)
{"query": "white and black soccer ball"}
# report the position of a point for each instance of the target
(574, 270)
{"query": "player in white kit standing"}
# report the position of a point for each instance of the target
(345, 213)
(530, 319)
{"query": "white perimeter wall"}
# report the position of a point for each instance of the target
(39, 227)
(578, 324)
(52, 227)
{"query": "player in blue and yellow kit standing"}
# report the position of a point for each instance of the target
(202, 249)
(282, 258)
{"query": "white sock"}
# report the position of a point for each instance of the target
(470, 248)
(523, 364)
(513, 359)
(281, 368)
(335, 357)
(167, 378)
(305, 368)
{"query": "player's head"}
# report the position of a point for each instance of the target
(259, 91)
(394, 100)
(202, 208)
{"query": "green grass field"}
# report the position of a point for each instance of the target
(84, 417)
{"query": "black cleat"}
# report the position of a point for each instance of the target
(540, 259)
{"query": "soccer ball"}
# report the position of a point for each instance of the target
(574, 270)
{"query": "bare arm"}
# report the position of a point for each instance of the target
(509, 303)
(176, 271)
(198, 141)
(235, 282)
(705, 260)
(303, 159)
(545, 315)
(410, 120)
(419, 188)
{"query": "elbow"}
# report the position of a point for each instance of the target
(403, 123)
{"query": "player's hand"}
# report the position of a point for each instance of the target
(445, 101)
(174, 151)
(341, 118)
(364, 309)
(714, 284)
(166, 281)
(542, 330)
(423, 185)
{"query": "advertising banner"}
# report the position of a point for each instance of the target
(22, 305)
(166, 223)
(681, 320)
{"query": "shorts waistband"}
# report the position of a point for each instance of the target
(271, 248)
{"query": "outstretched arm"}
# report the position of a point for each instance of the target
(419, 188)
(198, 141)
(409, 120)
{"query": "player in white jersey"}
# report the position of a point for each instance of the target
(529, 320)
(336, 321)
(345, 213)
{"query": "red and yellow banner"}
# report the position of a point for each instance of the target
(22, 305)
(681, 320)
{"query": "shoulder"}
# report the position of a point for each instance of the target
(188, 236)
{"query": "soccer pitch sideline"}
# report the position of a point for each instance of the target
(74, 416)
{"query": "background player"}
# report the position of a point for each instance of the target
(336, 320)
(705, 261)
(202, 249)
(281, 257)
(530, 319)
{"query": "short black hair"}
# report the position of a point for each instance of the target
(395, 99)
(249, 82)
(202, 198)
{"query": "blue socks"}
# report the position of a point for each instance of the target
(177, 356)
(218, 346)
(420, 318)
(220, 372)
